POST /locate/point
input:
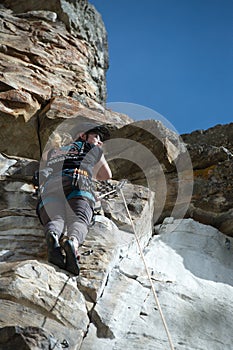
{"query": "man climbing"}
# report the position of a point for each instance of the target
(67, 198)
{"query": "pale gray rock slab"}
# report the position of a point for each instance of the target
(132, 267)
(92, 342)
(110, 242)
(116, 308)
(95, 268)
(21, 238)
(34, 294)
(202, 250)
(140, 203)
(46, 15)
(195, 294)
(5, 164)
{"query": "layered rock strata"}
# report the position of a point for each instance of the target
(53, 58)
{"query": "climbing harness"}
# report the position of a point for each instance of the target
(147, 271)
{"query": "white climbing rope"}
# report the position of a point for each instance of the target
(148, 273)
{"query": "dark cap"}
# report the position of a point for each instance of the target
(91, 127)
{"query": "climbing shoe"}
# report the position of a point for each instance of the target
(71, 258)
(55, 255)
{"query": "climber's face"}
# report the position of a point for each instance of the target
(94, 139)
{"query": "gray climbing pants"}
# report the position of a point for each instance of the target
(72, 217)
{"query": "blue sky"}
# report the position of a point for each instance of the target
(172, 56)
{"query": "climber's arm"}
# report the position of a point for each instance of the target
(102, 170)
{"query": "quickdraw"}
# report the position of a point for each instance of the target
(115, 189)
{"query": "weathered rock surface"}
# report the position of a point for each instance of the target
(41, 292)
(110, 305)
(191, 268)
(211, 154)
(49, 73)
(53, 59)
(188, 178)
(218, 136)
(45, 298)
(37, 98)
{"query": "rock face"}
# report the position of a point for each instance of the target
(33, 290)
(53, 58)
(187, 262)
(51, 300)
(191, 174)
(211, 154)
(111, 305)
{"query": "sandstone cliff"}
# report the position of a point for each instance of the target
(53, 58)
